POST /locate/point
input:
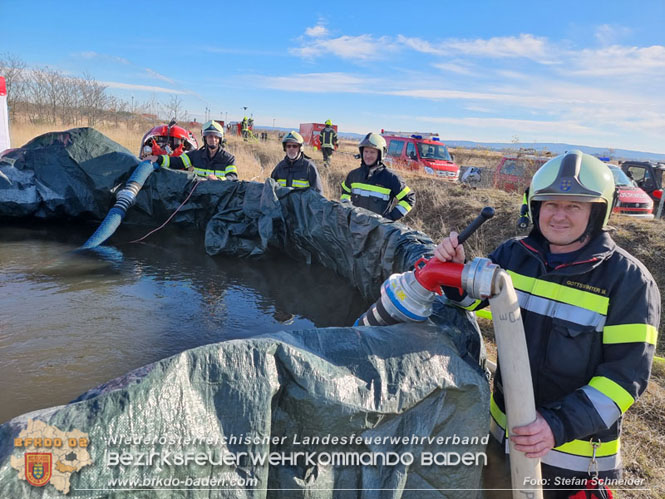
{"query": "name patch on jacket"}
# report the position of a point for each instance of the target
(586, 287)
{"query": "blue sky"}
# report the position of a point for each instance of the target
(582, 72)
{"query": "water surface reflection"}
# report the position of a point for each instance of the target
(69, 322)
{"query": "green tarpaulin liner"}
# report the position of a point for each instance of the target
(409, 392)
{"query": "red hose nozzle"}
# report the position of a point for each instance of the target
(435, 273)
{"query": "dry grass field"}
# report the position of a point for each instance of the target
(441, 207)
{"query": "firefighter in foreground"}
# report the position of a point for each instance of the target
(591, 313)
(373, 186)
(210, 161)
(296, 169)
(328, 139)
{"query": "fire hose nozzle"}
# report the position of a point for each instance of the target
(478, 278)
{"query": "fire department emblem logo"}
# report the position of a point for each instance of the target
(38, 468)
(566, 185)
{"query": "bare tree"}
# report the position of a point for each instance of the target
(15, 73)
(37, 97)
(175, 109)
(94, 99)
(48, 84)
(69, 100)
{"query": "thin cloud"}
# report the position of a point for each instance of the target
(455, 68)
(444, 94)
(608, 34)
(147, 88)
(159, 76)
(518, 125)
(620, 60)
(316, 31)
(89, 54)
(359, 48)
(523, 46)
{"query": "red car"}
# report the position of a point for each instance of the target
(632, 200)
(513, 173)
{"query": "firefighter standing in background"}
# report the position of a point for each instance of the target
(328, 139)
(245, 128)
(591, 313)
(373, 186)
(210, 161)
(523, 221)
(296, 169)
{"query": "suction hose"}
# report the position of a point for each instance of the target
(125, 198)
(408, 297)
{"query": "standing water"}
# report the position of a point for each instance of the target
(71, 321)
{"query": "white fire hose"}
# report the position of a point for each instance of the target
(516, 377)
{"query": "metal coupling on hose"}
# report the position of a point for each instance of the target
(127, 196)
(478, 276)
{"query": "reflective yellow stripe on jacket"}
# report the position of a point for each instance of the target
(219, 173)
(346, 192)
(403, 206)
(370, 190)
(573, 455)
(299, 184)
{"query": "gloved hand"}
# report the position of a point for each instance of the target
(154, 159)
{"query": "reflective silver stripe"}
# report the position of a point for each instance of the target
(364, 193)
(605, 406)
(185, 160)
(402, 210)
(202, 172)
(496, 431)
(377, 317)
(405, 205)
(301, 183)
(282, 182)
(230, 169)
(580, 463)
(558, 310)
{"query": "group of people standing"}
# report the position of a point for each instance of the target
(372, 186)
(591, 311)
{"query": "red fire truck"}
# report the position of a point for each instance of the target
(310, 132)
(420, 151)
